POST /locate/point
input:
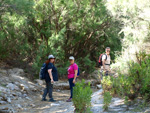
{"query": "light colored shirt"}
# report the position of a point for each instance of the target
(107, 67)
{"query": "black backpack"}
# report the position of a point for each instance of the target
(100, 59)
(43, 70)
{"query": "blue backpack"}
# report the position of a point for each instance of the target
(43, 70)
(78, 70)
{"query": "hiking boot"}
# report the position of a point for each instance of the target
(52, 100)
(44, 99)
(69, 100)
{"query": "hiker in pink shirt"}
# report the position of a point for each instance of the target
(72, 75)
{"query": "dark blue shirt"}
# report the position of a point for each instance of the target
(54, 73)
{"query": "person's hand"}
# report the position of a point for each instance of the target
(52, 81)
(74, 80)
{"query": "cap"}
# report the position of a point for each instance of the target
(71, 58)
(50, 56)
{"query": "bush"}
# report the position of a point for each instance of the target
(82, 97)
(107, 100)
(135, 83)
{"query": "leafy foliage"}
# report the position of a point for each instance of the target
(134, 16)
(82, 97)
(135, 83)
(33, 29)
(107, 100)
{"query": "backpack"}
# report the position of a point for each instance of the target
(43, 70)
(100, 59)
(78, 70)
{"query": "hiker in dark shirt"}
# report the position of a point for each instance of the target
(51, 76)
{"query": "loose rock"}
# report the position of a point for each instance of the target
(99, 86)
(40, 82)
(32, 105)
(12, 86)
(3, 102)
(8, 100)
(19, 106)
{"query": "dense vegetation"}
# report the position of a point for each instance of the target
(32, 29)
(132, 64)
(134, 84)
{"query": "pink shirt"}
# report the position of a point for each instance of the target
(71, 70)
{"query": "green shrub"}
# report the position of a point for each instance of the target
(135, 83)
(107, 100)
(82, 97)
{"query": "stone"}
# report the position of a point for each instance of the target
(12, 86)
(14, 94)
(2, 89)
(3, 102)
(116, 110)
(3, 72)
(19, 106)
(93, 82)
(131, 108)
(23, 87)
(55, 104)
(3, 97)
(40, 82)
(61, 85)
(17, 83)
(32, 105)
(24, 95)
(19, 94)
(5, 108)
(99, 86)
(28, 98)
(58, 90)
(16, 72)
(147, 110)
(19, 98)
(124, 106)
(34, 90)
(8, 100)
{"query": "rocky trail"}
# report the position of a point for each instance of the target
(19, 95)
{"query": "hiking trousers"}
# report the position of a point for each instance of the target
(48, 90)
(71, 84)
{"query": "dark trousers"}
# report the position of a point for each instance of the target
(48, 90)
(71, 86)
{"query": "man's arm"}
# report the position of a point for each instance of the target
(103, 64)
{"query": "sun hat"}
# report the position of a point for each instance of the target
(71, 58)
(51, 56)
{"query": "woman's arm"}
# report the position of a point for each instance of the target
(75, 76)
(50, 75)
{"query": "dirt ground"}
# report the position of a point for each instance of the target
(60, 106)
